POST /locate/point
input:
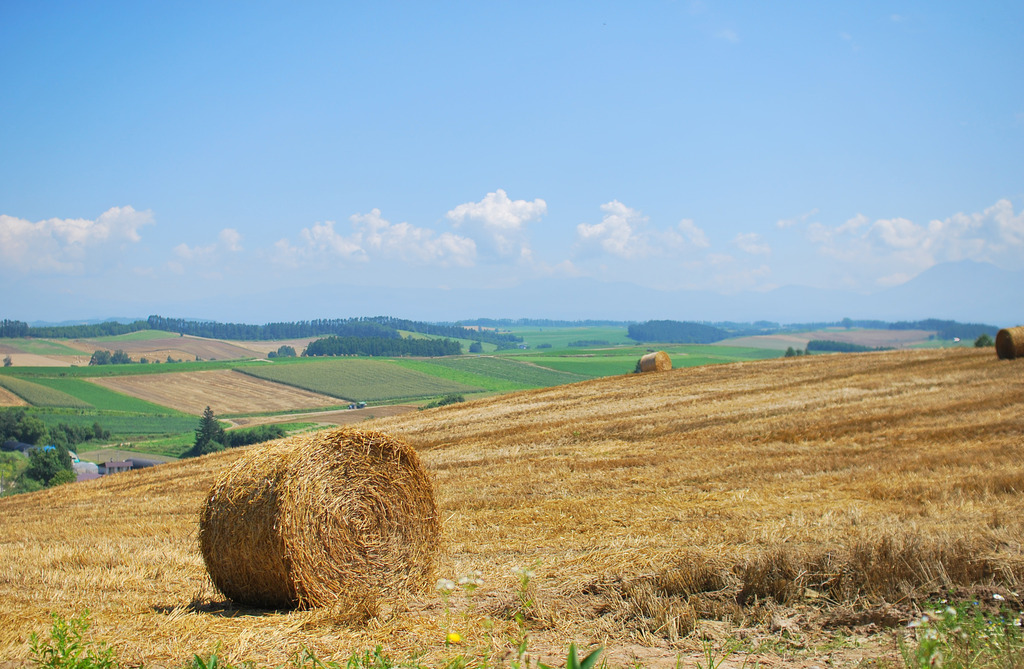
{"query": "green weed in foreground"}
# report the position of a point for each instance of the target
(68, 647)
(965, 636)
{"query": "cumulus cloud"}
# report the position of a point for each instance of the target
(898, 248)
(373, 236)
(69, 245)
(410, 243)
(210, 256)
(498, 223)
(625, 232)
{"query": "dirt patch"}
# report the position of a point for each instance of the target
(32, 360)
(179, 348)
(871, 338)
(225, 391)
(9, 399)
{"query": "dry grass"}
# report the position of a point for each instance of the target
(768, 500)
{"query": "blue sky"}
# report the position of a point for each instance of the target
(188, 158)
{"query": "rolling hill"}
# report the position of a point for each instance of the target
(784, 505)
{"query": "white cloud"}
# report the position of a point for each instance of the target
(69, 245)
(619, 232)
(624, 232)
(693, 235)
(375, 237)
(498, 222)
(410, 243)
(896, 249)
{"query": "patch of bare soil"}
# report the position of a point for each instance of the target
(870, 338)
(180, 348)
(9, 399)
(33, 360)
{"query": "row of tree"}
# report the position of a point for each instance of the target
(380, 327)
(676, 332)
(333, 346)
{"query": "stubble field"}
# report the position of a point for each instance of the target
(798, 509)
(226, 391)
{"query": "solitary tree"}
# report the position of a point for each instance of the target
(476, 347)
(983, 341)
(209, 435)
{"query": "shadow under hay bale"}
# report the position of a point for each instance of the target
(1010, 343)
(342, 518)
(655, 362)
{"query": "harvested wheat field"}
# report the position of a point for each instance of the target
(185, 347)
(225, 390)
(800, 509)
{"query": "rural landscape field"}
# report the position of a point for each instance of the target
(762, 511)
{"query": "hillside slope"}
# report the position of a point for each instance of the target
(815, 491)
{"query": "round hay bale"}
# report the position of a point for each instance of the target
(1010, 343)
(656, 362)
(341, 518)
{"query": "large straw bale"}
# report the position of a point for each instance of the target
(342, 518)
(656, 362)
(1010, 343)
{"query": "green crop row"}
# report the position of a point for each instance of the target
(359, 380)
(507, 374)
(39, 395)
(102, 398)
(122, 426)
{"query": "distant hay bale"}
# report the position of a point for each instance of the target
(341, 518)
(1010, 343)
(656, 362)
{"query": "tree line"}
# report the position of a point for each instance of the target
(382, 327)
(676, 332)
(333, 346)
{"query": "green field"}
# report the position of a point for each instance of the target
(493, 373)
(40, 347)
(593, 363)
(562, 337)
(122, 427)
(39, 395)
(102, 398)
(358, 379)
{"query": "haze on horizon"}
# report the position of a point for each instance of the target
(692, 160)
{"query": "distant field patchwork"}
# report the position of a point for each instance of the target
(494, 373)
(40, 395)
(360, 380)
(224, 391)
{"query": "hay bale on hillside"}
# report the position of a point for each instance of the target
(1010, 343)
(342, 517)
(655, 362)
